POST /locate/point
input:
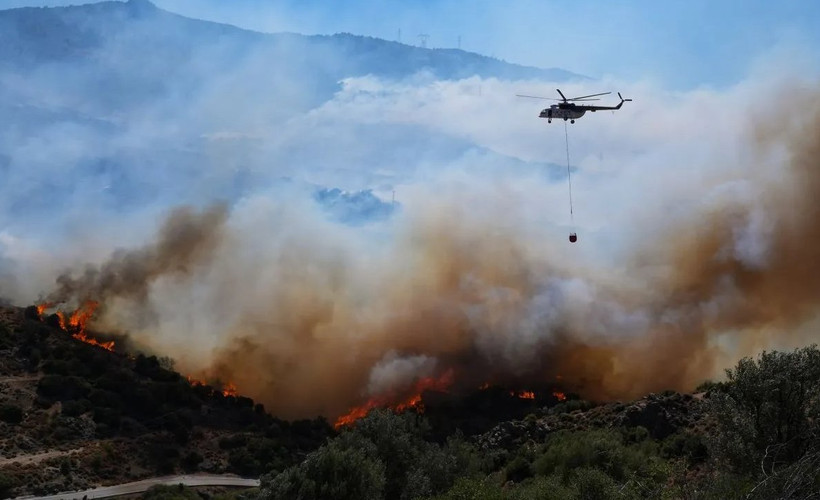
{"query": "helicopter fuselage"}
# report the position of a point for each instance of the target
(559, 112)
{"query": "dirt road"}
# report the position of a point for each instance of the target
(140, 486)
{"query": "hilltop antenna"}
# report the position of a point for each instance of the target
(423, 38)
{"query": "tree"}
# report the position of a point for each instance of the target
(767, 410)
(7, 483)
(333, 472)
(11, 414)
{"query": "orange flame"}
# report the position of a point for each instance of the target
(414, 401)
(229, 390)
(560, 395)
(41, 308)
(523, 394)
(194, 381)
(77, 322)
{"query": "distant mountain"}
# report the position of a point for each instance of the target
(114, 106)
(130, 52)
(140, 30)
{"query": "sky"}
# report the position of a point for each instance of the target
(680, 44)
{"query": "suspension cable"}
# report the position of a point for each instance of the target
(569, 177)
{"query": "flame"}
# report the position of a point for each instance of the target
(41, 308)
(484, 386)
(229, 390)
(560, 395)
(382, 401)
(77, 321)
(523, 394)
(193, 381)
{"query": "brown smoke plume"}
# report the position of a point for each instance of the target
(306, 321)
(185, 240)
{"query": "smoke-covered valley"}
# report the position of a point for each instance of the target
(321, 220)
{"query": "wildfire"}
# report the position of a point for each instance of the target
(560, 395)
(41, 308)
(229, 390)
(76, 322)
(384, 401)
(526, 395)
(194, 381)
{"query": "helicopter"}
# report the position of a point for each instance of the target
(568, 110)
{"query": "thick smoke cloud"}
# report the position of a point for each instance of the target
(698, 231)
(185, 239)
(309, 317)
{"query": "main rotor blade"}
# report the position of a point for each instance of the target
(583, 100)
(537, 97)
(590, 95)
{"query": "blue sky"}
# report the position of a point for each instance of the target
(679, 43)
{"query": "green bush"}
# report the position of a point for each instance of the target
(685, 445)
(400, 445)
(542, 488)
(473, 489)
(333, 472)
(593, 484)
(603, 450)
(62, 388)
(7, 484)
(190, 462)
(11, 414)
(76, 407)
(767, 410)
(517, 470)
(168, 492)
(571, 406)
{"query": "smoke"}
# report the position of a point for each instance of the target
(185, 239)
(309, 317)
(696, 215)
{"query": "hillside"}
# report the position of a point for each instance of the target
(75, 415)
(126, 54)
(77, 411)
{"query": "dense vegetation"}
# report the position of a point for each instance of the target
(143, 412)
(760, 441)
(754, 435)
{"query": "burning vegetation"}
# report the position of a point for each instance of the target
(413, 401)
(414, 398)
(76, 322)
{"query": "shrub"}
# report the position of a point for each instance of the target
(333, 472)
(76, 407)
(517, 470)
(604, 450)
(62, 388)
(766, 409)
(593, 484)
(7, 483)
(11, 414)
(191, 461)
(474, 489)
(168, 492)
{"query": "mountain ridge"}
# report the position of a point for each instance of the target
(79, 20)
